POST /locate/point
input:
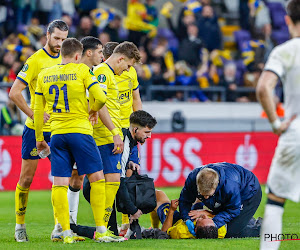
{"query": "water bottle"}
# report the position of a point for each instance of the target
(45, 152)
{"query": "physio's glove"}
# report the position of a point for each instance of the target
(191, 227)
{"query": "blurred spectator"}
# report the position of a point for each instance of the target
(184, 20)
(86, 28)
(24, 10)
(85, 7)
(7, 18)
(244, 14)
(209, 30)
(68, 20)
(113, 27)
(10, 119)
(104, 38)
(135, 22)
(44, 8)
(229, 81)
(190, 47)
(68, 8)
(152, 13)
(164, 56)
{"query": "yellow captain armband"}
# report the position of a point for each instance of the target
(114, 131)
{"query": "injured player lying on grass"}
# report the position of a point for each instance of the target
(172, 225)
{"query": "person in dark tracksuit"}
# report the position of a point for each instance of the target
(230, 191)
(141, 125)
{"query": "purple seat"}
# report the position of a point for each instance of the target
(277, 13)
(165, 32)
(240, 37)
(280, 36)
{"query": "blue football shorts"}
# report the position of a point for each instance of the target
(111, 162)
(29, 150)
(162, 212)
(66, 149)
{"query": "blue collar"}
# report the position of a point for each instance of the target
(50, 55)
(110, 68)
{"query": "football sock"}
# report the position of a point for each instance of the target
(61, 205)
(271, 227)
(73, 198)
(97, 201)
(154, 219)
(111, 189)
(125, 219)
(21, 199)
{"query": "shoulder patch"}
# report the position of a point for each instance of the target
(91, 72)
(101, 78)
(25, 67)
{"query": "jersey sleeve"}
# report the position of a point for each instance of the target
(278, 61)
(103, 78)
(28, 72)
(39, 110)
(135, 79)
(97, 95)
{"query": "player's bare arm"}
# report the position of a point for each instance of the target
(137, 102)
(16, 96)
(169, 219)
(266, 84)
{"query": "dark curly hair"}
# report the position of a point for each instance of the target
(209, 232)
(143, 119)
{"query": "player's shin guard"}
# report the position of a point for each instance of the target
(271, 227)
(21, 199)
(61, 206)
(97, 200)
(154, 219)
(111, 189)
(73, 198)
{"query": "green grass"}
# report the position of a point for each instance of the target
(39, 218)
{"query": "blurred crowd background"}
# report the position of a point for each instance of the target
(192, 50)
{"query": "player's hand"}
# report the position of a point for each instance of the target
(118, 145)
(174, 204)
(41, 145)
(194, 214)
(93, 117)
(133, 166)
(46, 117)
(284, 126)
(135, 216)
(191, 227)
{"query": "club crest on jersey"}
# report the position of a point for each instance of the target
(101, 78)
(91, 72)
(25, 67)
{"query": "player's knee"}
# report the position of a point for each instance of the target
(161, 197)
(275, 200)
(25, 181)
(76, 181)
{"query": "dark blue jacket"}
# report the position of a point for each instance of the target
(236, 185)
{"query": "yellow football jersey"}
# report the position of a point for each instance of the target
(127, 82)
(180, 231)
(63, 88)
(105, 75)
(29, 73)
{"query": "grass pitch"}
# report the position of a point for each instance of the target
(39, 224)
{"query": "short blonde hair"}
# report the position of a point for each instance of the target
(207, 180)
